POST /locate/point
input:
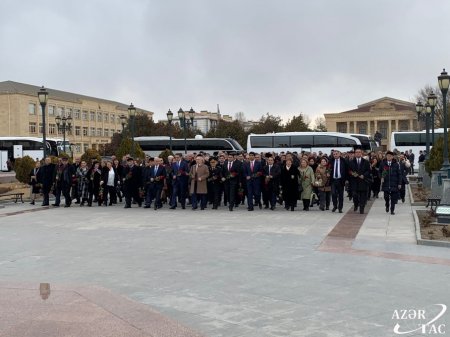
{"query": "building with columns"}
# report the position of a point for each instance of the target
(94, 120)
(384, 115)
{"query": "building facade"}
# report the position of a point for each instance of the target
(384, 115)
(203, 120)
(94, 120)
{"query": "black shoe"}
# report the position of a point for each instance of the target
(45, 205)
(76, 202)
(194, 208)
(81, 204)
(127, 206)
(334, 209)
(260, 206)
(321, 208)
(202, 208)
(147, 206)
(403, 200)
(110, 204)
(230, 208)
(250, 209)
(292, 208)
(355, 208)
(392, 213)
(327, 208)
(387, 209)
(55, 205)
(65, 206)
(266, 207)
(272, 208)
(140, 204)
(340, 211)
(173, 207)
(361, 211)
(183, 207)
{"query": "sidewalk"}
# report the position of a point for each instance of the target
(235, 274)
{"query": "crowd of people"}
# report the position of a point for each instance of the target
(228, 179)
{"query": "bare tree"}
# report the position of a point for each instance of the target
(422, 96)
(319, 124)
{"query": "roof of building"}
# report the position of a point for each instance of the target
(397, 104)
(12, 87)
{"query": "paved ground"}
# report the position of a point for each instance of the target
(236, 274)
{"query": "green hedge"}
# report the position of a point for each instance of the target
(23, 167)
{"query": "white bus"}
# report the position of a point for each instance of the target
(413, 140)
(153, 146)
(301, 141)
(368, 144)
(30, 146)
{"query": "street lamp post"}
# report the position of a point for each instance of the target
(444, 82)
(423, 113)
(43, 97)
(132, 113)
(169, 120)
(186, 123)
(123, 121)
(432, 100)
(64, 124)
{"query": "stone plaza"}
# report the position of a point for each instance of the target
(217, 273)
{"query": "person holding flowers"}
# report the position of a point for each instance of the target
(306, 181)
(391, 184)
(322, 183)
(253, 172)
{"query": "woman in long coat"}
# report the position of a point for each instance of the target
(198, 176)
(289, 183)
(83, 182)
(36, 179)
(322, 183)
(307, 179)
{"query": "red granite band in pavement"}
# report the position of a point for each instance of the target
(80, 311)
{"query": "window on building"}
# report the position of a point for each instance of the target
(106, 133)
(78, 147)
(112, 132)
(113, 118)
(60, 112)
(99, 132)
(403, 125)
(106, 117)
(40, 128)
(32, 127)
(86, 147)
(341, 127)
(383, 128)
(118, 119)
(85, 115)
(92, 114)
(51, 110)
(92, 132)
(99, 117)
(52, 129)
(32, 108)
(76, 113)
(85, 131)
(77, 130)
(69, 112)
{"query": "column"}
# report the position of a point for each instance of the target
(396, 125)
(411, 125)
(375, 126)
(368, 127)
(348, 127)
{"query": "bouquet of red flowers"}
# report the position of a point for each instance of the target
(385, 171)
(129, 176)
(100, 192)
(240, 192)
(353, 173)
(181, 172)
(159, 178)
(141, 192)
(257, 174)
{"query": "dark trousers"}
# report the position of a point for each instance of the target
(230, 192)
(390, 199)
(337, 194)
(111, 192)
(155, 193)
(324, 199)
(216, 191)
(360, 199)
(197, 197)
(178, 191)
(131, 193)
(253, 192)
(271, 195)
(66, 193)
(57, 192)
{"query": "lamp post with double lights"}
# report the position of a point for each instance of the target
(43, 98)
(65, 125)
(432, 100)
(423, 113)
(169, 120)
(132, 114)
(444, 82)
(185, 123)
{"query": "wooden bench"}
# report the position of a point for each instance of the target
(433, 201)
(13, 196)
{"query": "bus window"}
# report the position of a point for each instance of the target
(345, 142)
(325, 141)
(261, 142)
(303, 141)
(409, 139)
(281, 141)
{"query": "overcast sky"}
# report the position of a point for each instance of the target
(254, 56)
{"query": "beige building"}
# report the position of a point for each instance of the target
(384, 115)
(203, 120)
(95, 120)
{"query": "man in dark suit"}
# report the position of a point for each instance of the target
(157, 176)
(337, 181)
(231, 175)
(131, 183)
(391, 181)
(271, 181)
(180, 178)
(48, 175)
(253, 171)
(360, 177)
